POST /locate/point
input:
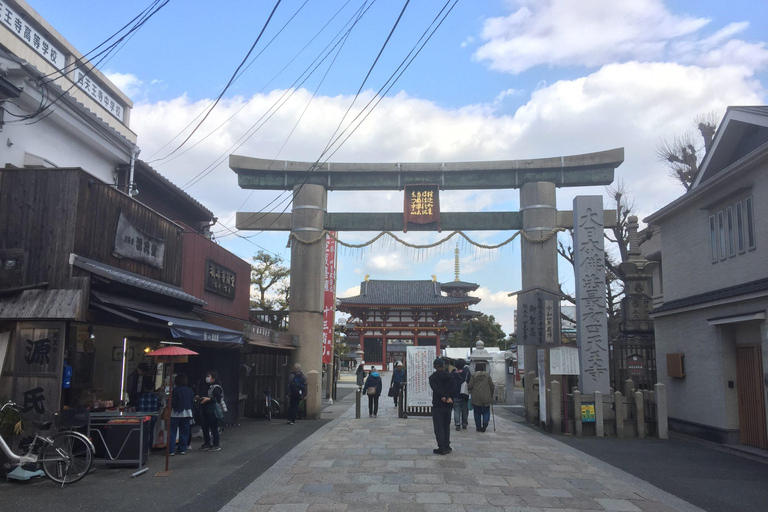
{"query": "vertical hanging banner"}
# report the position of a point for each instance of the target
(419, 362)
(422, 205)
(329, 301)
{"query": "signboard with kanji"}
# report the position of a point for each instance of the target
(588, 413)
(635, 365)
(538, 318)
(219, 279)
(135, 245)
(419, 361)
(329, 297)
(422, 205)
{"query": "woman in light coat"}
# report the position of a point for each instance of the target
(481, 386)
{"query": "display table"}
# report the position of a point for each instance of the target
(120, 438)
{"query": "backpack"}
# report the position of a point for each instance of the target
(298, 388)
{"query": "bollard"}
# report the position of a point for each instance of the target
(618, 401)
(629, 387)
(640, 415)
(599, 427)
(661, 410)
(530, 398)
(555, 408)
(577, 412)
(358, 394)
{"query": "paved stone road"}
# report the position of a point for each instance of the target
(387, 464)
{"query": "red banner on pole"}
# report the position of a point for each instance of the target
(329, 291)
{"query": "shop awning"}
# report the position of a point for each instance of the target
(197, 329)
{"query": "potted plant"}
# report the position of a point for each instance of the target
(11, 425)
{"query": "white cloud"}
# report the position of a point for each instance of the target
(468, 41)
(126, 82)
(598, 32)
(349, 292)
(491, 299)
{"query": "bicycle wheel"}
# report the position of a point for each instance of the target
(67, 458)
(274, 411)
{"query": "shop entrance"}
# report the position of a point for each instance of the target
(752, 421)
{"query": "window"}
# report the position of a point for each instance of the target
(713, 237)
(750, 224)
(721, 233)
(372, 350)
(740, 226)
(729, 228)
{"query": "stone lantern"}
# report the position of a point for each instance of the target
(480, 354)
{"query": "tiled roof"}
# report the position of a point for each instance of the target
(404, 293)
(761, 110)
(460, 284)
(147, 169)
(723, 293)
(129, 278)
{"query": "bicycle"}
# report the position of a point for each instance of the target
(66, 457)
(269, 407)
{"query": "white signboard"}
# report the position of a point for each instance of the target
(419, 362)
(84, 81)
(541, 359)
(564, 361)
(18, 25)
(133, 244)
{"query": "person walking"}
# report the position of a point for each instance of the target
(372, 388)
(441, 383)
(481, 386)
(360, 372)
(149, 403)
(297, 391)
(182, 402)
(211, 412)
(461, 376)
(398, 379)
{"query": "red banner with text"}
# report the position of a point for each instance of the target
(329, 291)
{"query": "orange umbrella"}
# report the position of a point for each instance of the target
(170, 354)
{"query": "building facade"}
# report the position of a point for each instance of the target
(389, 316)
(710, 290)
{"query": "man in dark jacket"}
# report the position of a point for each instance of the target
(460, 376)
(441, 383)
(297, 391)
(138, 380)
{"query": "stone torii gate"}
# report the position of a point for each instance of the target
(537, 180)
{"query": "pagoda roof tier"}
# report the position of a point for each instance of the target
(461, 285)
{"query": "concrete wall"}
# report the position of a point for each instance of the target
(685, 241)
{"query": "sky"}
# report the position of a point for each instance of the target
(499, 80)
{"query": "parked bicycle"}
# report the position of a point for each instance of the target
(66, 457)
(269, 406)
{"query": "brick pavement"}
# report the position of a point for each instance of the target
(387, 464)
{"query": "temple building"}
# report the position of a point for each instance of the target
(388, 316)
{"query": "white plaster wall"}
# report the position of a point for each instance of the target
(703, 396)
(685, 243)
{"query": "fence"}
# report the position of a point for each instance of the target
(630, 414)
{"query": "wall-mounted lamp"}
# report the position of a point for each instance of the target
(91, 335)
(133, 190)
(147, 350)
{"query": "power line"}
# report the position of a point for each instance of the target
(232, 79)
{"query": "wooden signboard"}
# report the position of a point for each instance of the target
(422, 205)
(219, 279)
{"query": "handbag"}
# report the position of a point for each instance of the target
(217, 411)
(222, 403)
(165, 415)
(371, 391)
(469, 405)
(392, 391)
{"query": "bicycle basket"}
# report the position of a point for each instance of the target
(73, 418)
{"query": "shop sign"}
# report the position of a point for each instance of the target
(136, 245)
(419, 361)
(219, 279)
(635, 365)
(588, 413)
(538, 315)
(16, 24)
(329, 297)
(422, 205)
(39, 364)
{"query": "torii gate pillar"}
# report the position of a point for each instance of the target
(307, 272)
(539, 260)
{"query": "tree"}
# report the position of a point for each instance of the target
(682, 153)
(271, 279)
(485, 327)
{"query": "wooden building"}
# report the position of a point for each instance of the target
(388, 316)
